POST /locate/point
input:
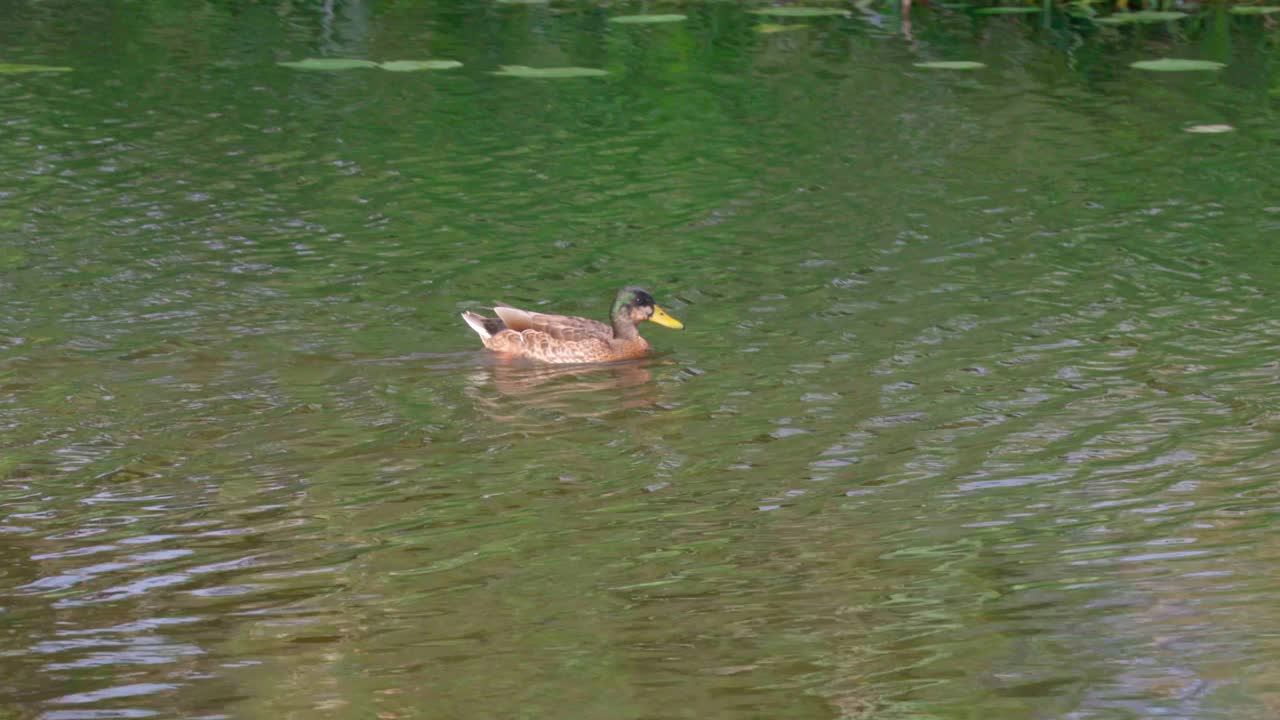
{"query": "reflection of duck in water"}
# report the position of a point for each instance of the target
(567, 339)
(567, 381)
(528, 391)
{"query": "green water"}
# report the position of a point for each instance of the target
(974, 415)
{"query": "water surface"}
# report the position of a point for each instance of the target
(974, 416)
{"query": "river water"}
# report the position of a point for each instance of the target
(974, 416)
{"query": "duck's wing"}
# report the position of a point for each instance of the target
(558, 327)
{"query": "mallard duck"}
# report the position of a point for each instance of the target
(567, 339)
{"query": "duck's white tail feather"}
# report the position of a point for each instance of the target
(477, 323)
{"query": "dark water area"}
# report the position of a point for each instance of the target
(974, 415)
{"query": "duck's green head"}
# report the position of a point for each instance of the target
(637, 306)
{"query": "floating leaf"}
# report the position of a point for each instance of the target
(1142, 16)
(555, 72)
(951, 65)
(1255, 9)
(1176, 65)
(329, 64)
(1208, 129)
(412, 65)
(645, 19)
(1007, 10)
(775, 28)
(793, 11)
(20, 68)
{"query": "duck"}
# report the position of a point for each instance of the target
(564, 339)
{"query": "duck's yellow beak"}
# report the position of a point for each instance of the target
(661, 317)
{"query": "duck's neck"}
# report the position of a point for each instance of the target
(624, 328)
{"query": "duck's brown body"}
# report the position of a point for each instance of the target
(567, 339)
